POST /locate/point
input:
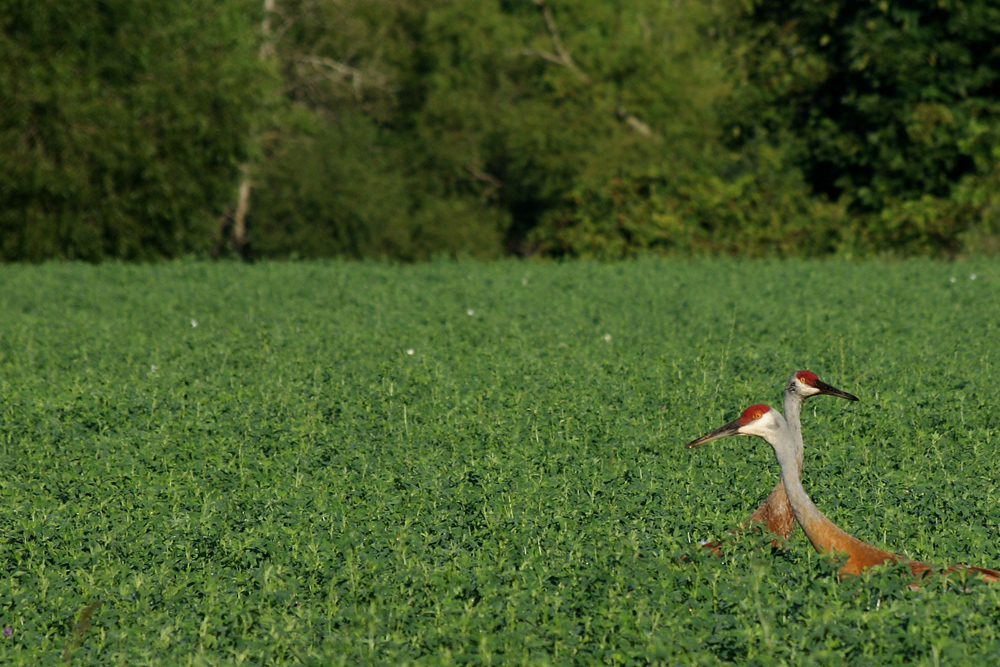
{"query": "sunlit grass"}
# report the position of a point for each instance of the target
(468, 463)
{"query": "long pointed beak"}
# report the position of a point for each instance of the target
(824, 388)
(732, 428)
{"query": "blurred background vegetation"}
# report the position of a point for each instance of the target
(409, 129)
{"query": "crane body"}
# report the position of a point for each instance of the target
(825, 536)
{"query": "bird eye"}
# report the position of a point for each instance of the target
(757, 415)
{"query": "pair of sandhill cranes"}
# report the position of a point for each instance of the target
(788, 503)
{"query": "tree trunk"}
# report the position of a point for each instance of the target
(233, 224)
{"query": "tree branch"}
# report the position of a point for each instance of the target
(357, 78)
(482, 175)
(267, 43)
(544, 55)
(561, 56)
(633, 121)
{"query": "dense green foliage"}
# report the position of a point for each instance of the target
(411, 129)
(463, 463)
(121, 124)
(580, 129)
(891, 107)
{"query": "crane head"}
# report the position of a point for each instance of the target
(755, 420)
(806, 384)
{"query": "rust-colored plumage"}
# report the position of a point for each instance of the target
(775, 513)
(825, 536)
(828, 538)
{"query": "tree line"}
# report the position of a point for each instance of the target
(409, 129)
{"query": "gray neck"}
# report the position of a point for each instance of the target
(789, 458)
(793, 408)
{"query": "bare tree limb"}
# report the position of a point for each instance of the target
(544, 55)
(345, 71)
(633, 121)
(242, 208)
(482, 175)
(267, 43)
(233, 224)
(561, 56)
(342, 72)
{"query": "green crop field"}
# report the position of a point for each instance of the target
(463, 463)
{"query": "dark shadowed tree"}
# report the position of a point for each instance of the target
(891, 108)
(122, 124)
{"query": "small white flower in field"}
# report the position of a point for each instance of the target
(607, 338)
(470, 312)
(194, 323)
(952, 279)
(972, 276)
(524, 281)
(409, 351)
(153, 368)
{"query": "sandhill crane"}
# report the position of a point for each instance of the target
(775, 512)
(825, 536)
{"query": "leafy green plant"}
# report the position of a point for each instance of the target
(456, 462)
